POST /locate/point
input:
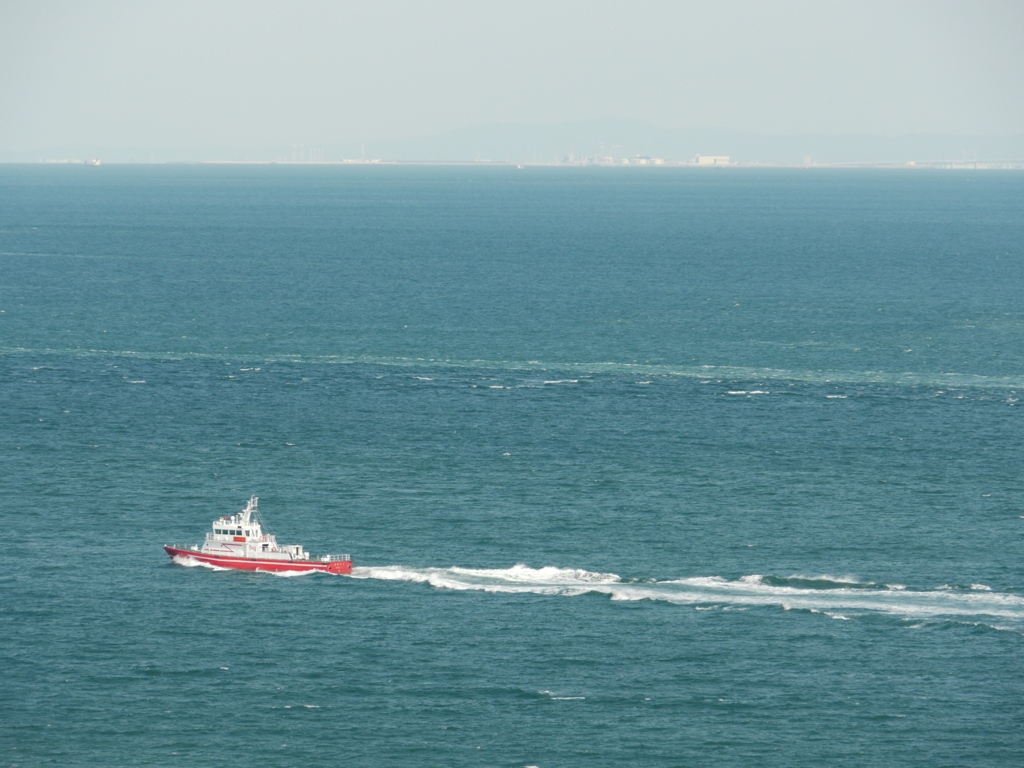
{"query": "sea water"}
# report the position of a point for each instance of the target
(652, 467)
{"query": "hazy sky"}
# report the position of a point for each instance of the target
(261, 73)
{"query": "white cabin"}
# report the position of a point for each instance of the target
(242, 535)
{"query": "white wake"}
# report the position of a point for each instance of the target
(825, 594)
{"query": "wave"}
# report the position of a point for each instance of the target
(818, 594)
(519, 578)
(568, 370)
(821, 582)
(189, 562)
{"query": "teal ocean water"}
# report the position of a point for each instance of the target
(653, 467)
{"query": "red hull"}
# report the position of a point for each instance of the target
(253, 564)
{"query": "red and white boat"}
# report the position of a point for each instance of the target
(239, 542)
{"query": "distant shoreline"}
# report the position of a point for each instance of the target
(1015, 165)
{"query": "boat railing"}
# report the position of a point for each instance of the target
(335, 558)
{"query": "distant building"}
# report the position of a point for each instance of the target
(711, 160)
